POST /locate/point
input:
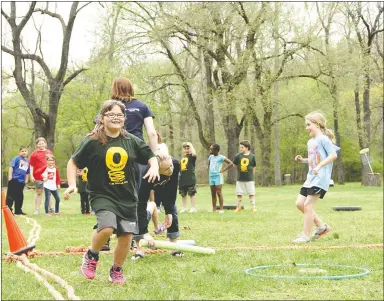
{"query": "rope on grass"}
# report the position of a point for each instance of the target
(34, 234)
(70, 291)
(268, 248)
(50, 288)
(24, 264)
(82, 249)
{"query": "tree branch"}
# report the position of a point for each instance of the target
(287, 116)
(27, 16)
(72, 76)
(83, 7)
(31, 57)
(5, 16)
(53, 15)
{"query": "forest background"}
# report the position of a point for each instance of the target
(210, 71)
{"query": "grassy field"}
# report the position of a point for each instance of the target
(221, 276)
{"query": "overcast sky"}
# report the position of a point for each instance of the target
(83, 34)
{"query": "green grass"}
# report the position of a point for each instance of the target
(220, 276)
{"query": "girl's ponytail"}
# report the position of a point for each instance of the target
(330, 134)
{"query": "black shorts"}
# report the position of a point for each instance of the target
(190, 190)
(312, 191)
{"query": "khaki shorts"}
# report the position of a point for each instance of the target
(107, 219)
(39, 184)
(245, 188)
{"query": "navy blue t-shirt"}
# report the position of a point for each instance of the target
(136, 111)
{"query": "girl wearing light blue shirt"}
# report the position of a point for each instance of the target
(216, 177)
(321, 154)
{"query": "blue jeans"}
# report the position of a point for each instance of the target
(55, 195)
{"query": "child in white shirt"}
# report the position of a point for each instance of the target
(51, 178)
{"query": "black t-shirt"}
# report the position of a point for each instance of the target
(245, 165)
(111, 172)
(187, 170)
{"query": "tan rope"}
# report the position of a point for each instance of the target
(24, 264)
(267, 248)
(50, 288)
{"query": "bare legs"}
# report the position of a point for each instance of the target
(122, 247)
(306, 205)
(184, 201)
(38, 198)
(216, 190)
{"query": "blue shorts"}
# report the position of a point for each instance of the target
(216, 180)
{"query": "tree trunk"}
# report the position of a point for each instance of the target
(276, 140)
(232, 133)
(210, 120)
(267, 150)
(372, 179)
(339, 163)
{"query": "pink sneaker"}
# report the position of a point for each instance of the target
(319, 232)
(116, 275)
(88, 267)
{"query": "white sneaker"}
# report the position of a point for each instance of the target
(221, 211)
(183, 210)
(192, 210)
(301, 239)
(37, 212)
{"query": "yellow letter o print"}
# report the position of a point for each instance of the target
(116, 173)
(244, 164)
(184, 164)
(84, 175)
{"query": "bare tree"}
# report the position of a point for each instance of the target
(44, 122)
(366, 37)
(326, 20)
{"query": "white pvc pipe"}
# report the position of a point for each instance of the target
(178, 246)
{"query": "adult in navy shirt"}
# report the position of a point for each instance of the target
(137, 114)
(17, 177)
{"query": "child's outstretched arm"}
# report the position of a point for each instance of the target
(71, 177)
(153, 171)
(229, 165)
(300, 159)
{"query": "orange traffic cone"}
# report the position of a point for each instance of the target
(16, 240)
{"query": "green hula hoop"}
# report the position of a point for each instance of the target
(364, 272)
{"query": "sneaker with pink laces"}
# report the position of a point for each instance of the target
(116, 275)
(88, 267)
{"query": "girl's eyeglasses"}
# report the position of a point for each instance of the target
(113, 115)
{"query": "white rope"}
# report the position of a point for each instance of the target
(34, 234)
(50, 288)
(27, 266)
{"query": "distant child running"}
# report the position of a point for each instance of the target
(187, 179)
(81, 184)
(51, 178)
(17, 178)
(245, 162)
(321, 154)
(216, 177)
(110, 153)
